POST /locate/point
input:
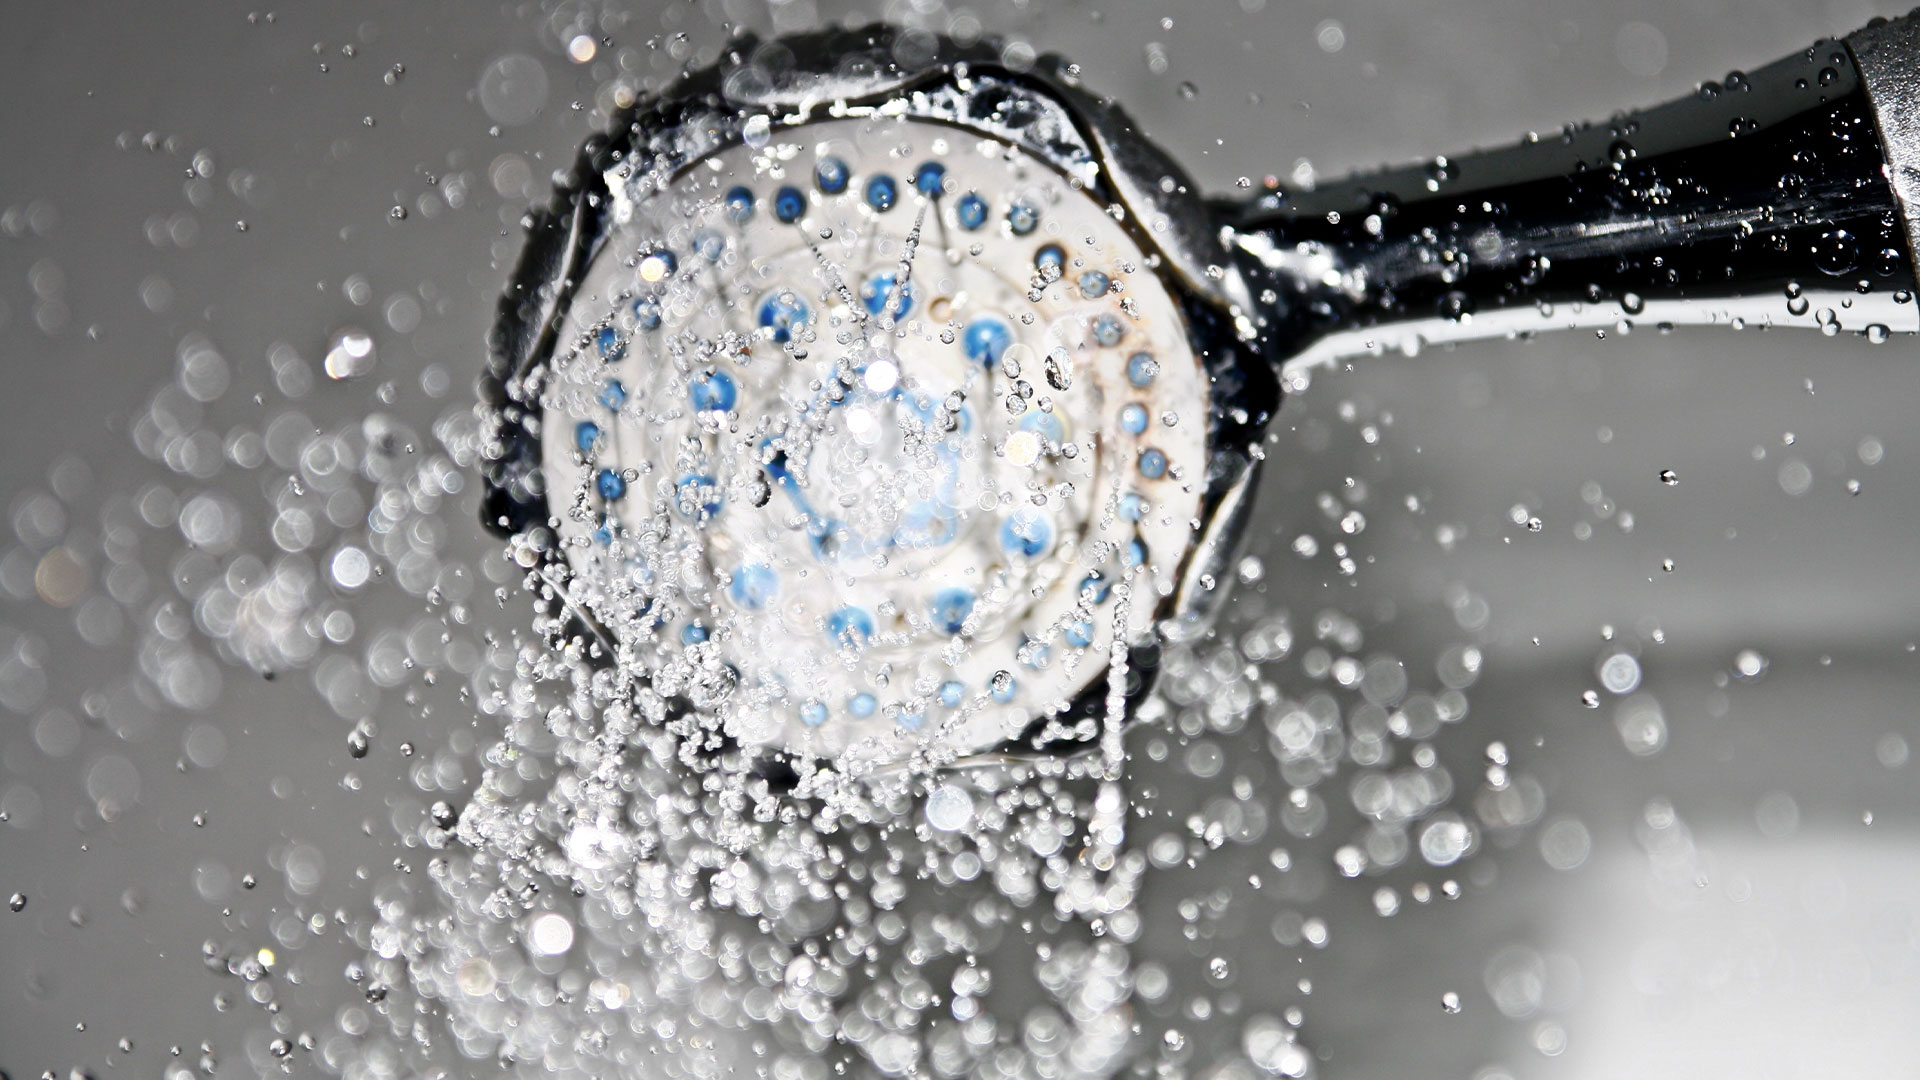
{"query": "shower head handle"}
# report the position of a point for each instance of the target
(1785, 196)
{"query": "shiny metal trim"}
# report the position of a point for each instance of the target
(1197, 601)
(1847, 312)
(1888, 56)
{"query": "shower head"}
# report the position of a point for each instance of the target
(869, 399)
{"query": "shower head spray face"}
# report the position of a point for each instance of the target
(864, 415)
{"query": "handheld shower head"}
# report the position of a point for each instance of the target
(869, 399)
(872, 399)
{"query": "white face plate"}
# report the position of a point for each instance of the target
(853, 493)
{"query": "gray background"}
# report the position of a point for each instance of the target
(1814, 974)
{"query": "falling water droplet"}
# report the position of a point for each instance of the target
(757, 131)
(350, 354)
(949, 808)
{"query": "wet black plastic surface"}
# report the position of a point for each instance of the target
(1761, 185)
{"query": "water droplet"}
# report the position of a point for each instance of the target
(757, 131)
(1620, 673)
(949, 808)
(1836, 252)
(549, 934)
(1059, 370)
(350, 354)
(1456, 306)
(513, 89)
